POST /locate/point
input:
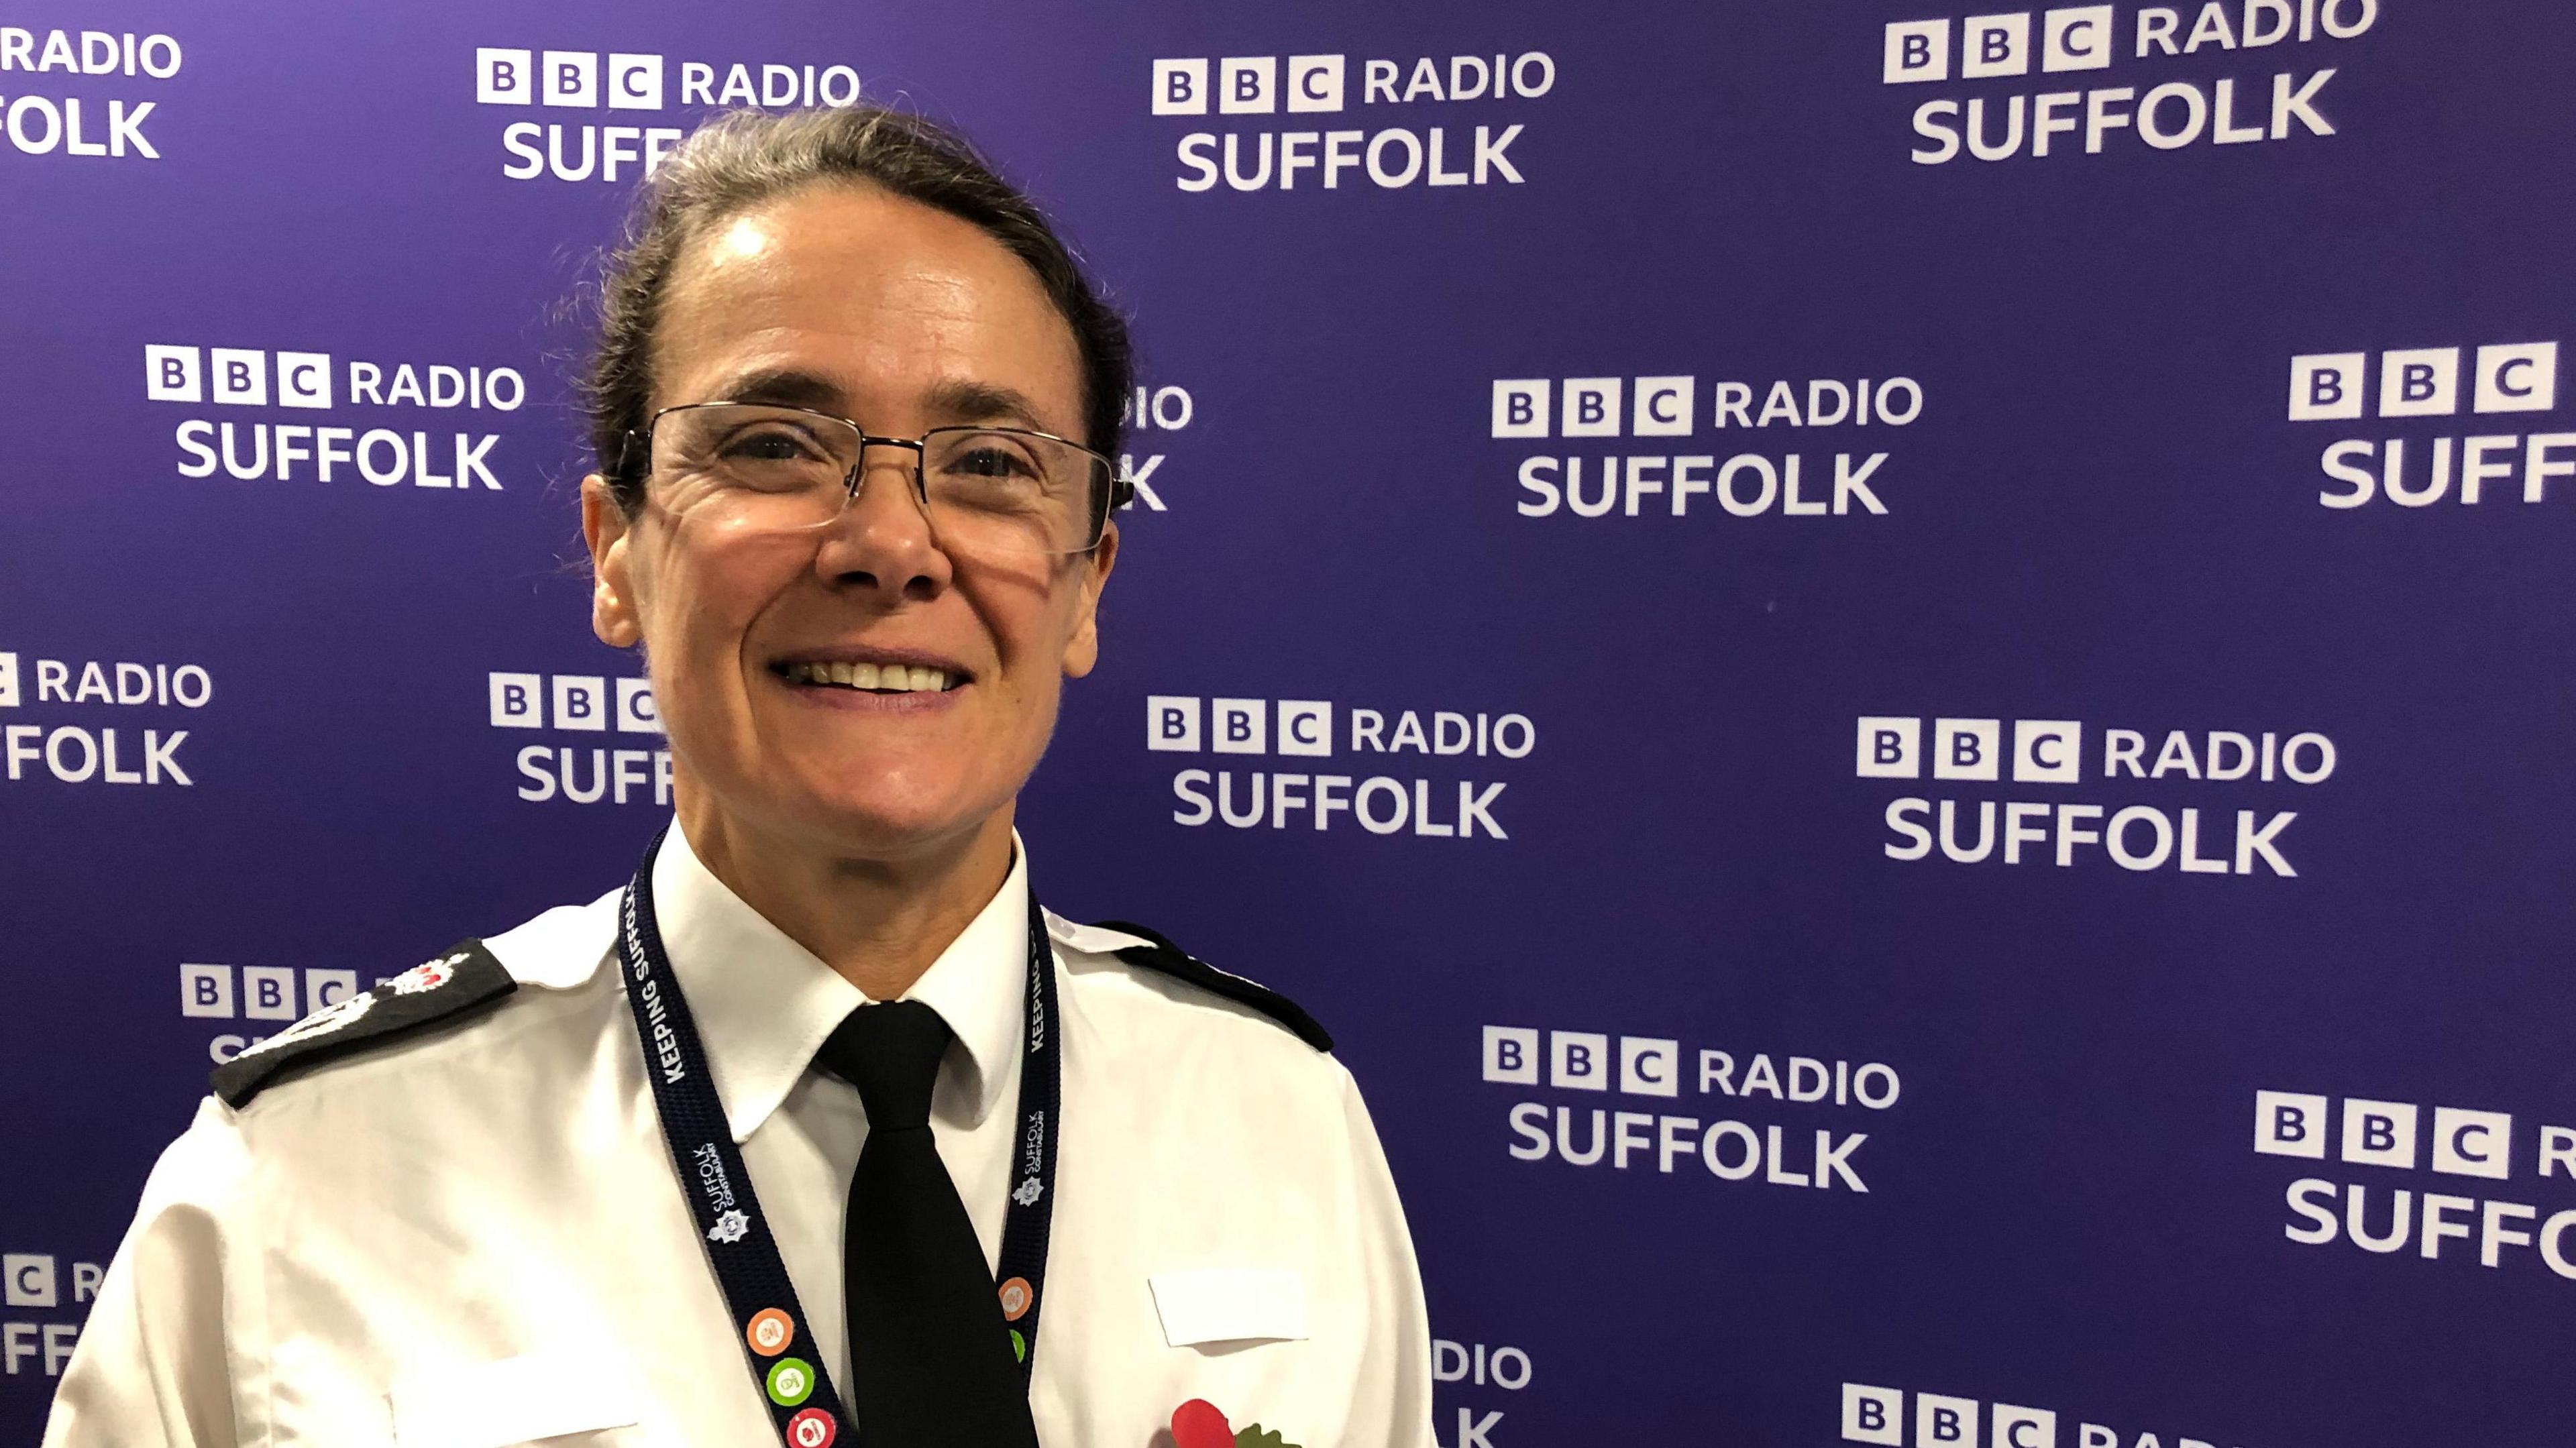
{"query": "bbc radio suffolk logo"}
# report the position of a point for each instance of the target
(376, 443)
(583, 763)
(1356, 121)
(2422, 1188)
(2454, 425)
(263, 996)
(1454, 796)
(82, 721)
(2088, 80)
(1902, 1419)
(593, 112)
(44, 1295)
(1773, 1122)
(1771, 475)
(2198, 823)
(72, 94)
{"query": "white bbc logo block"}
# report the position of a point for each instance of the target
(2419, 382)
(2025, 1427)
(1511, 1055)
(581, 702)
(2077, 37)
(2048, 751)
(2517, 377)
(1305, 727)
(636, 711)
(2472, 1143)
(1239, 726)
(8, 679)
(1916, 50)
(268, 993)
(1247, 85)
(1941, 1422)
(634, 82)
(28, 1279)
(1664, 406)
(240, 375)
(1591, 407)
(2379, 1133)
(1650, 1067)
(1891, 747)
(1520, 407)
(2290, 1123)
(328, 988)
(518, 701)
(570, 77)
(1315, 82)
(1172, 723)
(504, 77)
(1180, 87)
(1578, 1059)
(1873, 1415)
(206, 990)
(173, 374)
(1967, 748)
(304, 379)
(2327, 385)
(1991, 45)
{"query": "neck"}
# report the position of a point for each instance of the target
(878, 923)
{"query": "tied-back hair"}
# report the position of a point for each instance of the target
(743, 159)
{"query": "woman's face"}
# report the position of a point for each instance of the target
(850, 301)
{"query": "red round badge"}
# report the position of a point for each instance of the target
(1015, 1299)
(1197, 1424)
(812, 1428)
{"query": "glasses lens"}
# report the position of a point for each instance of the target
(1007, 491)
(758, 467)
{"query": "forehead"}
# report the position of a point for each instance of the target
(888, 304)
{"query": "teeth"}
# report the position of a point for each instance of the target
(893, 678)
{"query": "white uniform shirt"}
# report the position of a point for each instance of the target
(474, 1237)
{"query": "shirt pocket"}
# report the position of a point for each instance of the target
(563, 1400)
(1212, 1305)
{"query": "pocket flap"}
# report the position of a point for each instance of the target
(1229, 1304)
(515, 1400)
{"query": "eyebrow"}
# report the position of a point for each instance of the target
(956, 400)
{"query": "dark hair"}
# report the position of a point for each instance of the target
(739, 160)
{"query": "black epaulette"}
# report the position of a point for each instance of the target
(1179, 964)
(465, 980)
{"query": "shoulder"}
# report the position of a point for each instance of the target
(472, 980)
(1142, 950)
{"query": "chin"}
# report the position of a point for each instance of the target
(874, 824)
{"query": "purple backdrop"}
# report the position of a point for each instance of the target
(1900, 677)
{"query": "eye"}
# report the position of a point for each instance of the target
(771, 443)
(990, 458)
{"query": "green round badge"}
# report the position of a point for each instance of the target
(791, 1381)
(1019, 1346)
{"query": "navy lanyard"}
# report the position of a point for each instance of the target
(776, 1337)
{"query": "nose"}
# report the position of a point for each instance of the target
(882, 543)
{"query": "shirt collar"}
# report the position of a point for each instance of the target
(764, 1003)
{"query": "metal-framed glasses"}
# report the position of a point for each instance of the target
(765, 468)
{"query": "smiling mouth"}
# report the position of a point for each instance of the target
(870, 678)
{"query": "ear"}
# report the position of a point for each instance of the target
(1082, 647)
(605, 527)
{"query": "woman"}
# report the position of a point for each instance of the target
(660, 1169)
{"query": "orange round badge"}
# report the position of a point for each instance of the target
(1015, 1299)
(770, 1332)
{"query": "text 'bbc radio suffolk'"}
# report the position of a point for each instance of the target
(1780, 1153)
(1416, 806)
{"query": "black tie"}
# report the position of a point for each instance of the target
(931, 1364)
